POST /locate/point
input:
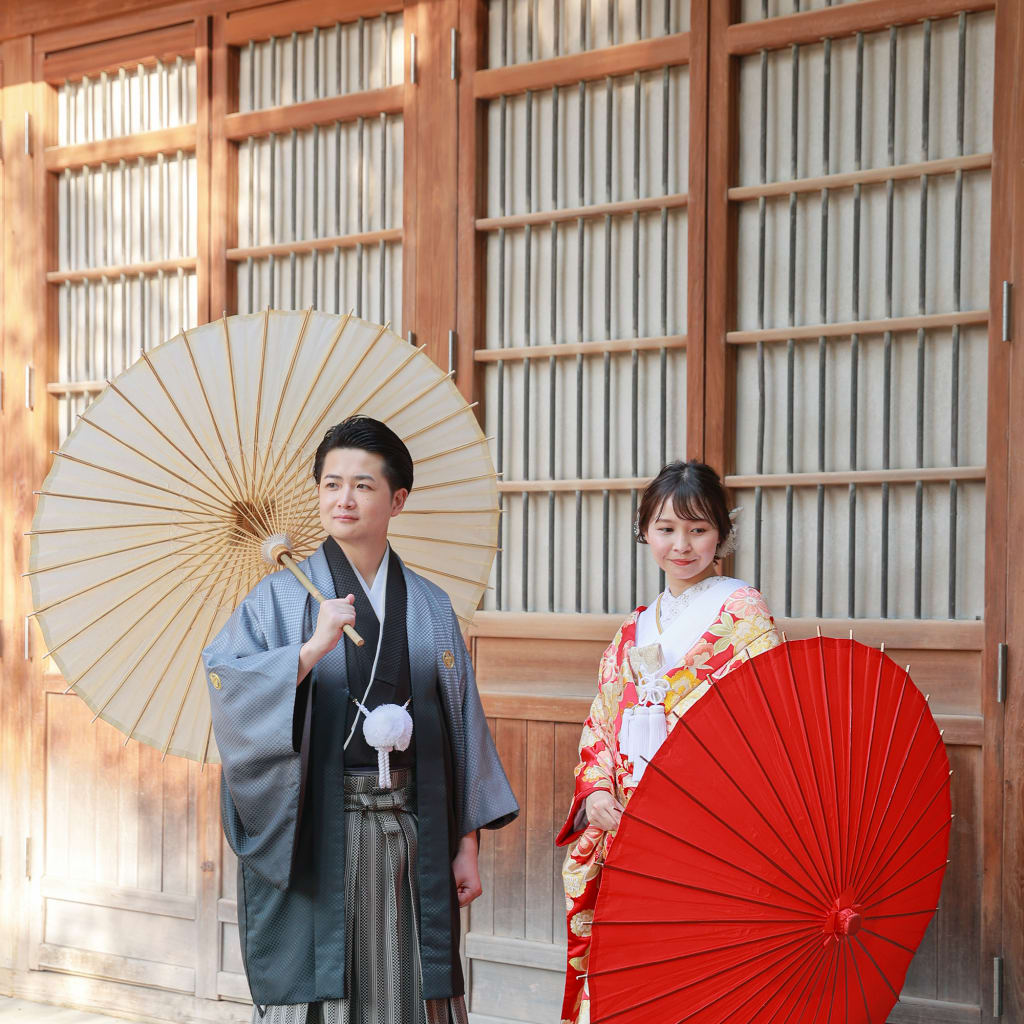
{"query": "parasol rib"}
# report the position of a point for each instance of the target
(779, 967)
(422, 393)
(234, 401)
(168, 622)
(871, 867)
(239, 488)
(282, 472)
(810, 969)
(119, 575)
(437, 423)
(182, 418)
(105, 554)
(259, 401)
(905, 863)
(896, 995)
(857, 854)
(885, 938)
(449, 575)
(131, 597)
(704, 951)
(822, 881)
(827, 844)
(882, 662)
(859, 870)
(482, 439)
(849, 756)
(441, 540)
(848, 953)
(156, 685)
(304, 404)
(714, 974)
(827, 704)
(206, 746)
(162, 466)
(903, 889)
(211, 509)
(790, 969)
(128, 504)
(831, 971)
(176, 523)
(814, 902)
(704, 889)
(403, 363)
(455, 483)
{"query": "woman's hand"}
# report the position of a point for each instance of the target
(603, 810)
(331, 619)
(467, 871)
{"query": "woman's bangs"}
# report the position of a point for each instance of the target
(693, 506)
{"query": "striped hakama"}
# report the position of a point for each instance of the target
(381, 935)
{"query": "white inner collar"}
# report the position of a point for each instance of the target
(377, 591)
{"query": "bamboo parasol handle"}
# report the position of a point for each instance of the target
(289, 563)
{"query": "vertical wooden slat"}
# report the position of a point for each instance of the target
(58, 778)
(472, 186)
(206, 255)
(481, 916)
(128, 817)
(696, 233)
(540, 778)
(567, 739)
(106, 780)
(222, 194)
(176, 840)
(410, 148)
(510, 842)
(1003, 882)
(151, 819)
(208, 880)
(437, 148)
(717, 445)
(81, 820)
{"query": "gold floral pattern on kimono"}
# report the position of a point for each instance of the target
(742, 628)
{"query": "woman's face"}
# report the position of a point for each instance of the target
(683, 548)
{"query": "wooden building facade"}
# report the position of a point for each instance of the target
(781, 235)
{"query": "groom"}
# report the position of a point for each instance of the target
(349, 892)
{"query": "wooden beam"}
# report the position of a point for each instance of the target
(260, 252)
(125, 147)
(127, 270)
(895, 325)
(122, 51)
(871, 176)
(371, 103)
(578, 348)
(617, 209)
(623, 59)
(270, 19)
(837, 22)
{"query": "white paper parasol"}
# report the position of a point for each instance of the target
(150, 524)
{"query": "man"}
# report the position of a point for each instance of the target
(349, 891)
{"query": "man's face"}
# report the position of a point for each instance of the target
(356, 503)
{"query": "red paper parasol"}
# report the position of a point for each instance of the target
(783, 854)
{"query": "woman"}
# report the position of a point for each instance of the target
(662, 660)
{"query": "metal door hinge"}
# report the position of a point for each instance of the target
(455, 54)
(451, 353)
(28, 857)
(30, 376)
(1, 390)
(412, 59)
(28, 638)
(1007, 300)
(997, 986)
(28, 134)
(1001, 658)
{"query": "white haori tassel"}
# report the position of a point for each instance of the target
(387, 728)
(643, 728)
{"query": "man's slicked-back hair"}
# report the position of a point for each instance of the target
(694, 491)
(369, 435)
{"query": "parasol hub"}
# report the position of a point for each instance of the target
(275, 548)
(842, 921)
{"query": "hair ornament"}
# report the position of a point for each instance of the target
(728, 545)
